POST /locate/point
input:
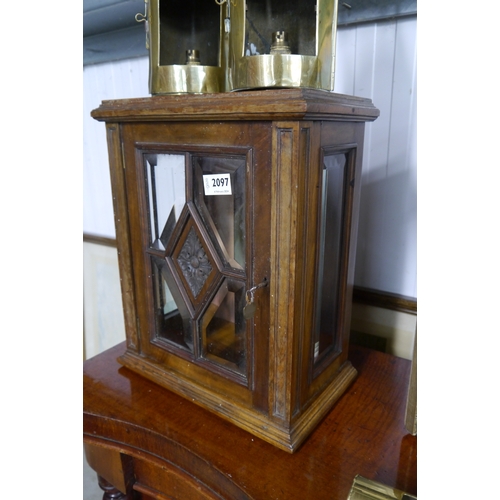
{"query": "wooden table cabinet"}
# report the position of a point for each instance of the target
(146, 442)
(236, 220)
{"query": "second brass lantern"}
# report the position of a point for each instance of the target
(202, 46)
(274, 43)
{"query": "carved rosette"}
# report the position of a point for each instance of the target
(194, 263)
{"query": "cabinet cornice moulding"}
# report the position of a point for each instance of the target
(282, 104)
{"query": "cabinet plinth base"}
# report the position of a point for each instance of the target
(287, 436)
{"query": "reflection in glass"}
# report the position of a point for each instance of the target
(224, 214)
(331, 229)
(166, 193)
(224, 328)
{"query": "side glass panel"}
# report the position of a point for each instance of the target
(222, 207)
(223, 327)
(165, 176)
(331, 230)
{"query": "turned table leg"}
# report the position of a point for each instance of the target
(110, 492)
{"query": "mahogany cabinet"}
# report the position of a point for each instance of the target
(236, 218)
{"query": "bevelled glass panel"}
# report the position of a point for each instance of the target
(297, 19)
(219, 194)
(331, 230)
(171, 315)
(166, 195)
(223, 327)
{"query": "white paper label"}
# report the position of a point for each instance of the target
(217, 184)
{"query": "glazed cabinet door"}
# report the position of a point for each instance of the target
(196, 196)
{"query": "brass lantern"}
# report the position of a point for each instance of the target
(274, 43)
(185, 46)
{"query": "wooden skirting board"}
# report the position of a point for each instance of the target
(99, 240)
(385, 300)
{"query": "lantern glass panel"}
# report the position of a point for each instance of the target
(189, 25)
(330, 249)
(298, 20)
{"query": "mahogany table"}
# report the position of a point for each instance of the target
(146, 442)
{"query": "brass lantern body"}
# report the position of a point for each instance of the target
(257, 61)
(185, 46)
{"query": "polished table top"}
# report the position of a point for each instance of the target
(363, 434)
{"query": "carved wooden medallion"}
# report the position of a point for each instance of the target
(194, 263)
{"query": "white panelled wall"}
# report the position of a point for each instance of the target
(378, 60)
(375, 60)
(114, 80)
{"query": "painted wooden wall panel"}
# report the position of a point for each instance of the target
(114, 80)
(102, 312)
(375, 60)
(378, 60)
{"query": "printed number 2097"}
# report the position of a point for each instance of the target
(218, 182)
